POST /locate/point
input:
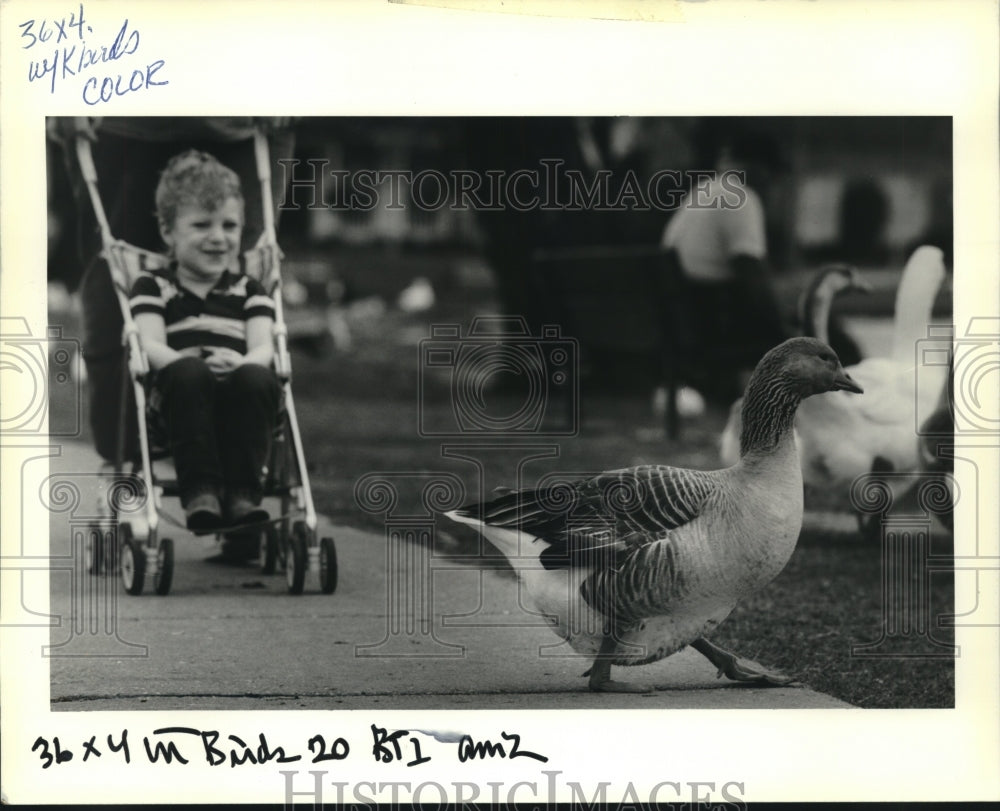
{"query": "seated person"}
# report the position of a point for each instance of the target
(129, 153)
(730, 317)
(206, 330)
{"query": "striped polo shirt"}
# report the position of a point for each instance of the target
(196, 325)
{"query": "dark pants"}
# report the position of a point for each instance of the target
(218, 429)
(128, 171)
(725, 329)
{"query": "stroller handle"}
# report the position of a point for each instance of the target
(85, 158)
(264, 177)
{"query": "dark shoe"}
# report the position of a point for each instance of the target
(243, 511)
(203, 513)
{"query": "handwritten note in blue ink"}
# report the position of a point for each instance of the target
(68, 51)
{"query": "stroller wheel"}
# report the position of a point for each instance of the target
(297, 558)
(164, 574)
(268, 549)
(132, 566)
(327, 566)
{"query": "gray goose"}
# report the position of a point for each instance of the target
(814, 308)
(632, 565)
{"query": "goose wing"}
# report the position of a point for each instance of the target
(597, 521)
(645, 582)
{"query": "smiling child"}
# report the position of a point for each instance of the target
(206, 330)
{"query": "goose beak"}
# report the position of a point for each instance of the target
(844, 382)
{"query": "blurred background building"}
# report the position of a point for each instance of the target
(862, 190)
(855, 189)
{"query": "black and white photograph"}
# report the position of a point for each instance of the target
(496, 333)
(441, 444)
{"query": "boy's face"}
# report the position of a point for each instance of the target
(205, 241)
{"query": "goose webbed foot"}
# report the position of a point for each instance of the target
(600, 672)
(739, 671)
(732, 668)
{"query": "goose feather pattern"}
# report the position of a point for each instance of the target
(814, 308)
(632, 565)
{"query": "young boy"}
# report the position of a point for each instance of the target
(206, 330)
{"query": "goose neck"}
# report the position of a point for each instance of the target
(817, 314)
(768, 415)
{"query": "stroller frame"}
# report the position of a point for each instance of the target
(292, 544)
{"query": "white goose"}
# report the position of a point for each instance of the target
(841, 438)
(633, 565)
(814, 314)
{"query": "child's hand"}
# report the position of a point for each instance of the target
(222, 361)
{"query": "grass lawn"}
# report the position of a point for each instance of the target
(359, 414)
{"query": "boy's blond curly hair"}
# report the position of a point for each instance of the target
(197, 178)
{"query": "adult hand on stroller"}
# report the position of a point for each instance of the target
(222, 360)
(63, 129)
(269, 124)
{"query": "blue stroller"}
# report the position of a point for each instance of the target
(132, 542)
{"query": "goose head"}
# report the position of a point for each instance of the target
(792, 371)
(804, 367)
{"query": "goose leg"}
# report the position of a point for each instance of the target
(731, 667)
(600, 672)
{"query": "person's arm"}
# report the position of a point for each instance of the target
(260, 348)
(259, 313)
(746, 245)
(260, 343)
(153, 334)
(147, 305)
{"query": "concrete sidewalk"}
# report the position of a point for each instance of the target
(418, 632)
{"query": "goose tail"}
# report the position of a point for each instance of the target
(509, 541)
(478, 513)
(468, 514)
